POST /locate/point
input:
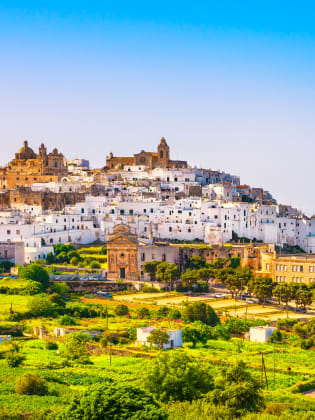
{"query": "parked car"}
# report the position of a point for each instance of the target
(219, 295)
(251, 301)
(104, 294)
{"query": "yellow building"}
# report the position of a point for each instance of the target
(299, 268)
(28, 167)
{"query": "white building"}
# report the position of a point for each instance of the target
(175, 337)
(261, 334)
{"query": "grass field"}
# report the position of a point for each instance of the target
(129, 370)
(19, 303)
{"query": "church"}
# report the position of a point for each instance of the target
(150, 160)
(28, 167)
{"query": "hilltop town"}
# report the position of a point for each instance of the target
(117, 281)
(46, 200)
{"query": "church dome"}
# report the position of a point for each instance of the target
(26, 152)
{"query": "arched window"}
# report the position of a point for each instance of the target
(161, 154)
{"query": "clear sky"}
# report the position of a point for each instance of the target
(229, 84)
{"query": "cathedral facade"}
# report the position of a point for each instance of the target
(28, 167)
(150, 160)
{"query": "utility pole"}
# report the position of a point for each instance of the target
(263, 369)
(274, 366)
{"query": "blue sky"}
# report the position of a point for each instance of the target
(230, 84)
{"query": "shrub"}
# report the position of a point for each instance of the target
(33, 288)
(174, 314)
(175, 376)
(95, 264)
(51, 345)
(113, 401)
(74, 261)
(41, 306)
(121, 310)
(31, 384)
(149, 289)
(200, 311)
(143, 312)
(35, 272)
(14, 359)
(67, 320)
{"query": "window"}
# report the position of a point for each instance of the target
(8, 232)
(267, 266)
(143, 257)
(170, 229)
(301, 268)
(164, 257)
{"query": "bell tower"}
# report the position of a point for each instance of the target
(163, 153)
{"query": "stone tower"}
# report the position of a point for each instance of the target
(163, 154)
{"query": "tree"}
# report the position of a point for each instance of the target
(150, 268)
(303, 297)
(158, 337)
(36, 273)
(73, 254)
(200, 311)
(61, 288)
(233, 284)
(196, 332)
(74, 261)
(189, 278)
(33, 288)
(95, 264)
(14, 359)
(175, 376)
(167, 272)
(50, 259)
(236, 389)
(195, 263)
(121, 310)
(205, 273)
(41, 306)
(58, 248)
(75, 347)
(283, 292)
(31, 384)
(113, 401)
(62, 257)
(262, 287)
(143, 312)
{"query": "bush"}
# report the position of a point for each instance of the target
(67, 320)
(41, 306)
(33, 288)
(175, 376)
(31, 384)
(14, 359)
(51, 345)
(113, 401)
(143, 312)
(74, 261)
(121, 310)
(149, 289)
(200, 311)
(35, 272)
(95, 264)
(174, 314)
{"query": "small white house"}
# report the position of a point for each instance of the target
(261, 334)
(4, 338)
(175, 337)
